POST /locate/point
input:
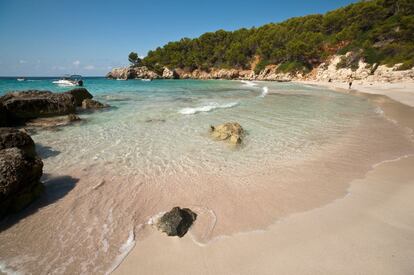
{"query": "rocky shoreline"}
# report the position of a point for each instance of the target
(20, 166)
(326, 71)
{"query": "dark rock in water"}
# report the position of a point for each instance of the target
(10, 137)
(5, 117)
(93, 104)
(20, 171)
(80, 94)
(33, 104)
(177, 221)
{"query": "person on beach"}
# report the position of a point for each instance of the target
(350, 83)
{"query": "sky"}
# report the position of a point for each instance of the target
(90, 37)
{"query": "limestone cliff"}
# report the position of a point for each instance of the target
(325, 71)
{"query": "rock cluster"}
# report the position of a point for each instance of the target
(20, 171)
(177, 221)
(231, 131)
(26, 105)
(44, 107)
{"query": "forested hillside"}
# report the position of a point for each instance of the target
(378, 31)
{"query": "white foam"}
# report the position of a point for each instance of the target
(154, 219)
(123, 251)
(265, 91)
(248, 83)
(207, 108)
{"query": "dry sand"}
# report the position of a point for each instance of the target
(399, 91)
(369, 231)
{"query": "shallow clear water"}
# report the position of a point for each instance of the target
(107, 176)
(163, 125)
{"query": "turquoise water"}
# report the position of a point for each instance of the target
(163, 125)
(109, 175)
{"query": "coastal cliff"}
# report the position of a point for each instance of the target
(327, 70)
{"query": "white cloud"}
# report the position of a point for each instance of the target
(76, 63)
(22, 61)
(89, 67)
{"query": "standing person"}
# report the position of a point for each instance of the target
(350, 83)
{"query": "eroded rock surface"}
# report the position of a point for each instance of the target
(231, 131)
(20, 171)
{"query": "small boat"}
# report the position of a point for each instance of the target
(69, 80)
(21, 79)
(146, 79)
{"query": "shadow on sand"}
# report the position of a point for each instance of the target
(56, 187)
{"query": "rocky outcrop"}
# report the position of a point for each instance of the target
(177, 221)
(20, 171)
(79, 94)
(132, 73)
(31, 104)
(10, 137)
(169, 74)
(231, 131)
(43, 107)
(324, 72)
(93, 104)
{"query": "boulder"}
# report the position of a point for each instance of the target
(10, 137)
(93, 104)
(31, 104)
(231, 131)
(20, 171)
(177, 221)
(5, 117)
(79, 94)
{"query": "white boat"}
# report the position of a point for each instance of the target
(72, 80)
(21, 79)
(146, 79)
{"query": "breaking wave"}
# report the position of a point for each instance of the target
(207, 108)
(265, 91)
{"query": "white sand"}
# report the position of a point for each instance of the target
(369, 231)
(401, 91)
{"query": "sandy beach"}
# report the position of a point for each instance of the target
(399, 91)
(370, 230)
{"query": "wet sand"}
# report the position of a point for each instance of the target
(370, 231)
(367, 230)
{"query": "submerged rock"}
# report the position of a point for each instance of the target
(79, 94)
(20, 171)
(52, 122)
(93, 104)
(231, 131)
(177, 221)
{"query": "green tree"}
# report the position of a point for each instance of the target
(134, 59)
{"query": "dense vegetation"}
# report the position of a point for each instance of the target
(379, 31)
